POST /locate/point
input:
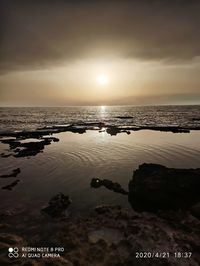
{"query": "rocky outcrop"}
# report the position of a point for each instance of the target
(110, 235)
(96, 183)
(26, 149)
(155, 187)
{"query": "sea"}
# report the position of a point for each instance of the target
(26, 118)
(69, 165)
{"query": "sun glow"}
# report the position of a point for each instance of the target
(102, 79)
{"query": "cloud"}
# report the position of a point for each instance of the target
(37, 34)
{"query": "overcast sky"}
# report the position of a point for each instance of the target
(52, 52)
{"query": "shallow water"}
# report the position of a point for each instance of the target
(69, 165)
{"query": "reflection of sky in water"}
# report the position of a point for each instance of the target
(69, 164)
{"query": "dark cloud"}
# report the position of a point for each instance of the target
(43, 33)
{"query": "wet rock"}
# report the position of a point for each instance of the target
(77, 129)
(154, 187)
(32, 148)
(24, 149)
(14, 173)
(113, 131)
(54, 139)
(10, 186)
(57, 205)
(96, 183)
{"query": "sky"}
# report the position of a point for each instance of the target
(112, 52)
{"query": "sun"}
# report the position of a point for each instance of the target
(102, 79)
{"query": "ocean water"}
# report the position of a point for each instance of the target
(32, 118)
(69, 165)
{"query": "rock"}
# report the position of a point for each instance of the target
(195, 210)
(77, 129)
(196, 119)
(11, 239)
(54, 139)
(26, 149)
(109, 235)
(32, 148)
(96, 183)
(10, 186)
(112, 130)
(14, 173)
(57, 205)
(154, 187)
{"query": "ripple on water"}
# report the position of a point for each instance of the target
(70, 164)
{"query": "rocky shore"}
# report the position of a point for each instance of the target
(19, 145)
(108, 236)
(83, 127)
(162, 229)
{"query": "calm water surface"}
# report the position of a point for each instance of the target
(69, 164)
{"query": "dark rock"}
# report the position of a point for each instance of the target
(196, 119)
(155, 187)
(96, 183)
(76, 129)
(195, 210)
(29, 148)
(113, 131)
(57, 205)
(124, 117)
(10, 186)
(54, 139)
(14, 173)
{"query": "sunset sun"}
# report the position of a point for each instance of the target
(102, 79)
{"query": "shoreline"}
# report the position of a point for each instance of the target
(99, 126)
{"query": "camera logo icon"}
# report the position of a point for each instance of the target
(13, 252)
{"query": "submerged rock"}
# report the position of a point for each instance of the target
(57, 205)
(10, 186)
(154, 187)
(32, 148)
(96, 183)
(14, 173)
